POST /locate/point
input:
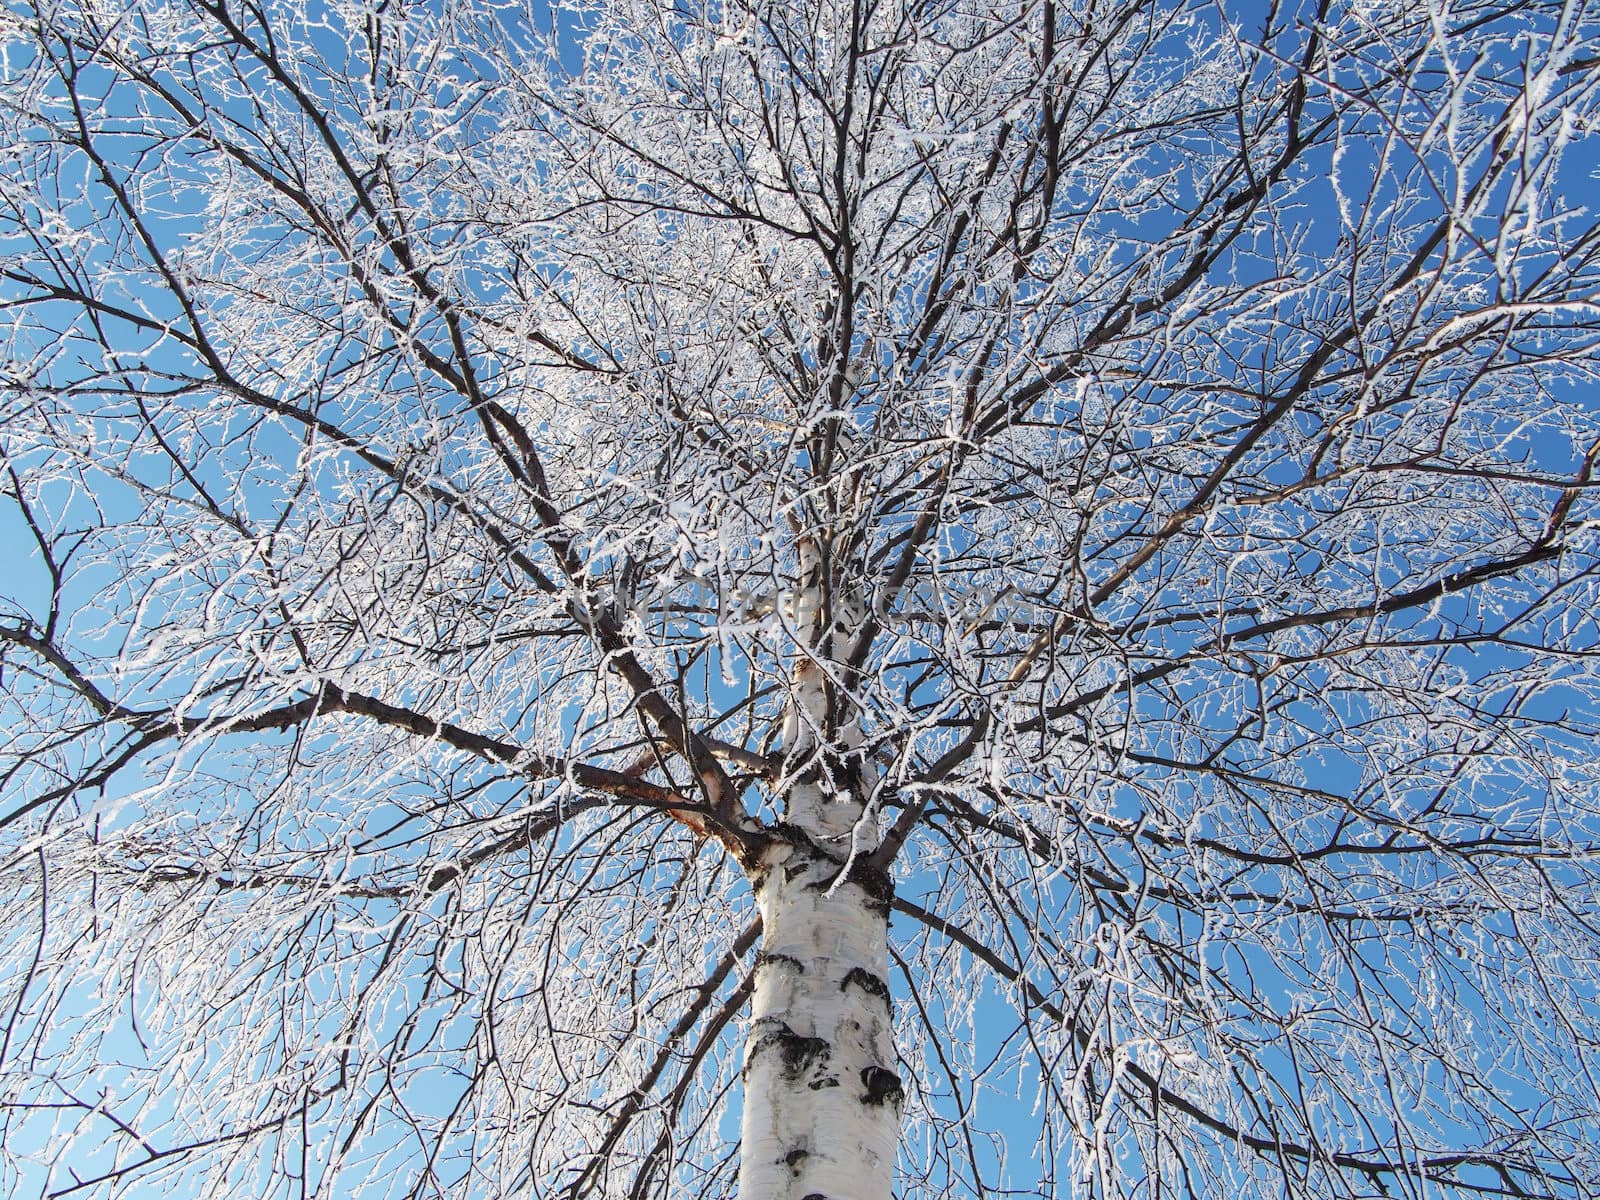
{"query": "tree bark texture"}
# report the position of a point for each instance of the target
(822, 1096)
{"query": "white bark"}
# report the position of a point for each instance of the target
(822, 1098)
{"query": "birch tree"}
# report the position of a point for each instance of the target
(811, 601)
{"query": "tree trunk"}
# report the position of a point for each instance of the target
(822, 1099)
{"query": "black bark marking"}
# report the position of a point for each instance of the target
(766, 958)
(883, 1087)
(876, 883)
(800, 840)
(798, 1052)
(827, 1081)
(795, 1157)
(864, 979)
(809, 856)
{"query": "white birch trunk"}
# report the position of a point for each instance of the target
(822, 1099)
